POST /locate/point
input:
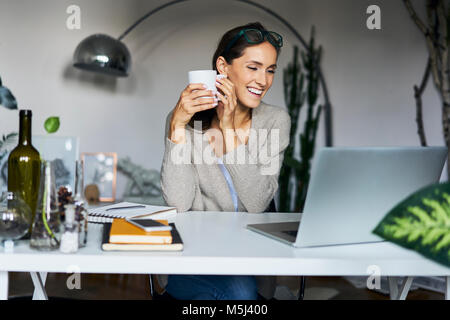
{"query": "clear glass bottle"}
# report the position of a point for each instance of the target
(46, 226)
(15, 217)
(24, 164)
(81, 205)
(69, 239)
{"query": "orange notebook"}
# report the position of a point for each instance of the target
(125, 232)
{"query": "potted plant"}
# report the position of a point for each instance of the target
(301, 84)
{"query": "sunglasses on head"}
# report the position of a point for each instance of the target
(255, 36)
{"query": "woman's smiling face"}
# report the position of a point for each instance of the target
(252, 73)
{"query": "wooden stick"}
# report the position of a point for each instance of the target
(443, 24)
(430, 43)
(418, 91)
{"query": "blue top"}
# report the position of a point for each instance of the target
(227, 176)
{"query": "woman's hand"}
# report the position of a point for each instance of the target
(227, 103)
(225, 112)
(188, 104)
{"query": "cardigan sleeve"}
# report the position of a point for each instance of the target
(256, 178)
(177, 172)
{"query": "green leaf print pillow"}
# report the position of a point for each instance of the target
(421, 222)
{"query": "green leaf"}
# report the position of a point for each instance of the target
(51, 125)
(446, 196)
(421, 214)
(433, 236)
(438, 213)
(421, 222)
(7, 99)
(415, 234)
(445, 242)
(10, 136)
(292, 162)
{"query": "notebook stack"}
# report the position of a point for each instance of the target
(121, 235)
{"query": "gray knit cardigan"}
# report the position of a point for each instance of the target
(191, 179)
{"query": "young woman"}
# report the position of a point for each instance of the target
(223, 151)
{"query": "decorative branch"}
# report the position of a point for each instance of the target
(429, 39)
(415, 17)
(418, 91)
(437, 41)
(441, 25)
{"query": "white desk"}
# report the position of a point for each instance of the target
(219, 243)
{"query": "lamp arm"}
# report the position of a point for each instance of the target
(327, 105)
(287, 24)
(134, 25)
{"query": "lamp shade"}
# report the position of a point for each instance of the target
(102, 53)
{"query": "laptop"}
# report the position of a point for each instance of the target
(352, 189)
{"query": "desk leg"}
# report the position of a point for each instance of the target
(447, 288)
(4, 285)
(397, 293)
(393, 287)
(406, 285)
(39, 285)
(152, 291)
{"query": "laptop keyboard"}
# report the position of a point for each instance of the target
(292, 233)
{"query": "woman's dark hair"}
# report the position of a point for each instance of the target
(236, 51)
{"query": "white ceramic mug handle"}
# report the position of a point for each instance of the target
(221, 76)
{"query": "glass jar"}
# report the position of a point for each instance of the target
(81, 205)
(15, 216)
(46, 227)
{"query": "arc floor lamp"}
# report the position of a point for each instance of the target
(104, 54)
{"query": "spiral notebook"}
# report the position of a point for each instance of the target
(128, 210)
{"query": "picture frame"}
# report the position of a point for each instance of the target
(100, 168)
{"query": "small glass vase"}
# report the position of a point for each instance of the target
(81, 205)
(15, 218)
(45, 234)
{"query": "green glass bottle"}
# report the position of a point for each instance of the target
(24, 165)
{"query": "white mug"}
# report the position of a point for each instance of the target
(207, 77)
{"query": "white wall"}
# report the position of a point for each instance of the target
(370, 74)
